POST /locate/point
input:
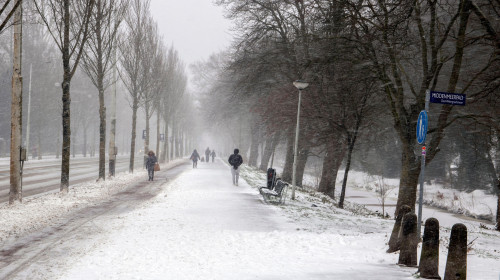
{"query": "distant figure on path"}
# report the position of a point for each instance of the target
(195, 157)
(150, 165)
(207, 154)
(235, 160)
(213, 155)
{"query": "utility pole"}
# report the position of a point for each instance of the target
(15, 194)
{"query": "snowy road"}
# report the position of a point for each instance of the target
(200, 226)
(41, 176)
(33, 254)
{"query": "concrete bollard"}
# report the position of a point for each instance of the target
(409, 241)
(456, 263)
(429, 257)
(395, 240)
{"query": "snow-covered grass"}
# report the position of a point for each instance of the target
(320, 214)
(476, 204)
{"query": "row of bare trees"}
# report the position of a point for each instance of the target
(369, 64)
(98, 36)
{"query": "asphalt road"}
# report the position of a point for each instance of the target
(41, 176)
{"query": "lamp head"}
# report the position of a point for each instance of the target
(300, 85)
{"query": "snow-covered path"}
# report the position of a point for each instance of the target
(200, 226)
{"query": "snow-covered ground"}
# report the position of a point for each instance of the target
(200, 226)
(476, 204)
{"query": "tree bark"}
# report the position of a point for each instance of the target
(334, 155)
(269, 149)
(498, 204)
(158, 143)
(135, 106)
(302, 157)
(102, 130)
(15, 194)
(287, 169)
(164, 153)
(254, 148)
(346, 173)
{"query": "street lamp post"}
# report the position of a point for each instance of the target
(300, 85)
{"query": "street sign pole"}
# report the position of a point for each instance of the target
(422, 169)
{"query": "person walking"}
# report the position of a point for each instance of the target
(207, 154)
(213, 155)
(235, 160)
(150, 165)
(195, 157)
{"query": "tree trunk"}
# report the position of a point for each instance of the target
(172, 144)
(15, 194)
(254, 146)
(66, 124)
(132, 138)
(407, 190)
(102, 126)
(158, 142)
(269, 149)
(498, 204)
(84, 150)
(346, 173)
(287, 169)
(164, 153)
(301, 165)
(334, 155)
(146, 141)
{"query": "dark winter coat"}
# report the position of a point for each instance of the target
(235, 160)
(150, 162)
(195, 156)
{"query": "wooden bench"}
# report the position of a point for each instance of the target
(276, 193)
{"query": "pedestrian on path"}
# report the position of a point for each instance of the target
(207, 154)
(195, 157)
(235, 160)
(150, 165)
(213, 155)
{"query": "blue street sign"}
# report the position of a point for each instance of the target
(448, 98)
(162, 137)
(422, 127)
(144, 134)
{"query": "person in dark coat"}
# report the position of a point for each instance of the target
(207, 154)
(150, 165)
(213, 155)
(235, 160)
(195, 157)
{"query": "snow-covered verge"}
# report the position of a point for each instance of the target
(37, 212)
(476, 204)
(319, 214)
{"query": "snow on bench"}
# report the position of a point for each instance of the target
(276, 193)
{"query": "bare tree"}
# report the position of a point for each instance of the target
(98, 59)
(68, 24)
(5, 9)
(134, 52)
(15, 193)
(153, 65)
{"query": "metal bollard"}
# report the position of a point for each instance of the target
(456, 263)
(409, 241)
(395, 241)
(429, 257)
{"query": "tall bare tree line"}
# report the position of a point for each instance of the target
(89, 31)
(399, 48)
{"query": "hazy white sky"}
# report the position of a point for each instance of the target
(197, 28)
